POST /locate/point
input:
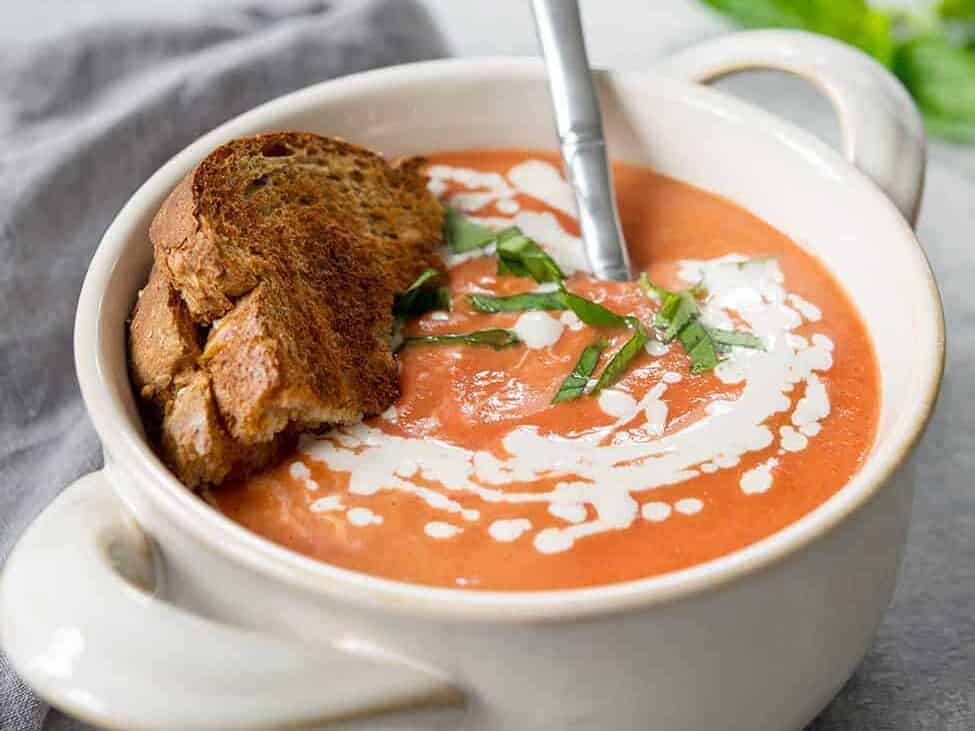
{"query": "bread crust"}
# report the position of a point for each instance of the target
(163, 347)
(268, 309)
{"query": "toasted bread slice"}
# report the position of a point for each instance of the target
(242, 215)
(315, 353)
(282, 253)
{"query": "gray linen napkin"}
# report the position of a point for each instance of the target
(85, 117)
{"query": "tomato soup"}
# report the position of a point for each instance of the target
(476, 479)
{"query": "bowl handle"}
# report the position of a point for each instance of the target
(80, 624)
(882, 131)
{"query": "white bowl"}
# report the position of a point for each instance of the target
(758, 639)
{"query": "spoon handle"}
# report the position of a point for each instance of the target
(580, 128)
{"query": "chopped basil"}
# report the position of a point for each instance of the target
(519, 255)
(699, 347)
(679, 317)
(619, 362)
(517, 302)
(669, 302)
(735, 338)
(421, 297)
(591, 313)
(496, 338)
(683, 314)
(652, 289)
(464, 235)
(575, 383)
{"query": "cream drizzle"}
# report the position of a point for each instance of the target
(600, 474)
(441, 531)
(758, 479)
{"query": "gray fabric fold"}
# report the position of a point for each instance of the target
(86, 115)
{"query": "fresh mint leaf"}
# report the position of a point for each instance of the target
(463, 235)
(575, 383)
(496, 338)
(517, 302)
(621, 361)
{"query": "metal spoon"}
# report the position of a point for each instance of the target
(580, 126)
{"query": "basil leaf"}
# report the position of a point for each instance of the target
(420, 297)
(669, 302)
(679, 317)
(427, 275)
(683, 313)
(496, 338)
(619, 362)
(958, 17)
(519, 255)
(699, 347)
(517, 302)
(957, 9)
(760, 13)
(591, 313)
(941, 78)
(652, 289)
(575, 383)
(852, 21)
(665, 314)
(735, 339)
(463, 234)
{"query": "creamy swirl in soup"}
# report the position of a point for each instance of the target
(476, 479)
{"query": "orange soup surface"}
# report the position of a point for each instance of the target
(475, 479)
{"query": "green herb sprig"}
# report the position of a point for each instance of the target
(517, 254)
(679, 317)
(463, 235)
(575, 383)
(521, 256)
(497, 338)
(624, 356)
(525, 302)
(591, 313)
(424, 295)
